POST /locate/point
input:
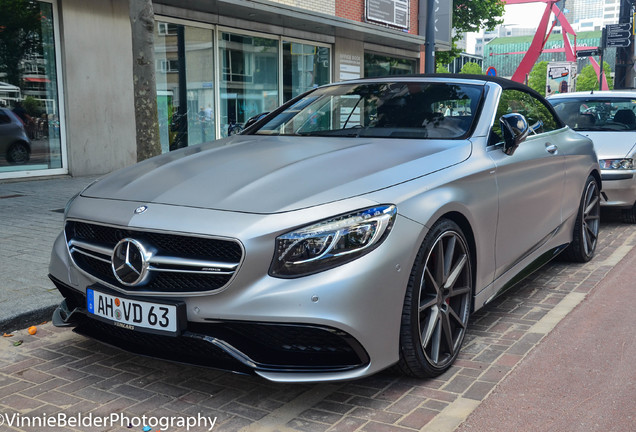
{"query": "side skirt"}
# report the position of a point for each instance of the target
(535, 265)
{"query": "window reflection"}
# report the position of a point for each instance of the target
(29, 106)
(305, 66)
(249, 79)
(377, 65)
(184, 62)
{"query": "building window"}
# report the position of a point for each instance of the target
(167, 66)
(166, 29)
(249, 79)
(29, 97)
(184, 57)
(377, 65)
(305, 66)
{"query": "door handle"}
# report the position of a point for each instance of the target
(551, 148)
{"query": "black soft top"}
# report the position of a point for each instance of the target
(503, 82)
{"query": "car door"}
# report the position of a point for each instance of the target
(530, 182)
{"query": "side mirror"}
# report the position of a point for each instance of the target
(515, 130)
(250, 121)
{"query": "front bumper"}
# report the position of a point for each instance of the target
(322, 327)
(619, 188)
(245, 347)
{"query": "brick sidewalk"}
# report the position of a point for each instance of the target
(58, 371)
(31, 214)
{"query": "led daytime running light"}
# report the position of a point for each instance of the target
(331, 243)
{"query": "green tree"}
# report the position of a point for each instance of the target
(538, 76)
(441, 69)
(471, 68)
(587, 79)
(20, 34)
(471, 16)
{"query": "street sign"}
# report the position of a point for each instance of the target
(588, 53)
(618, 27)
(491, 71)
(443, 22)
(617, 43)
(618, 35)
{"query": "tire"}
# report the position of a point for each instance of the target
(18, 153)
(586, 227)
(629, 215)
(437, 303)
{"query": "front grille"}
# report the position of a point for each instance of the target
(179, 263)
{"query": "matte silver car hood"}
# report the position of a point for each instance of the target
(271, 174)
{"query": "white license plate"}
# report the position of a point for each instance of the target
(133, 314)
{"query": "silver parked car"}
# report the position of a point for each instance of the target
(354, 228)
(609, 119)
(15, 145)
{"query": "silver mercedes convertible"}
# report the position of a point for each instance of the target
(354, 228)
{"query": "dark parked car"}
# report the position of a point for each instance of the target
(15, 145)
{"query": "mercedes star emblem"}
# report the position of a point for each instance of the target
(130, 262)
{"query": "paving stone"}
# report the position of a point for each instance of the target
(347, 424)
(479, 390)
(321, 416)
(406, 404)
(419, 418)
(376, 415)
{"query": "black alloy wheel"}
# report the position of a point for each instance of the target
(587, 225)
(18, 153)
(437, 303)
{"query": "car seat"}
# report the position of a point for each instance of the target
(627, 117)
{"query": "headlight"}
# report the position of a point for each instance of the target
(616, 164)
(332, 242)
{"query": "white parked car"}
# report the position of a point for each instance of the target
(609, 119)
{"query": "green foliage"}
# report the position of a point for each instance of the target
(440, 68)
(471, 68)
(32, 106)
(587, 79)
(20, 34)
(538, 76)
(471, 16)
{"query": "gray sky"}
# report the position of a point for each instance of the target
(524, 15)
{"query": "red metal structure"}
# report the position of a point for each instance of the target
(541, 37)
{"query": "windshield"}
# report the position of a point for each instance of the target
(587, 114)
(391, 110)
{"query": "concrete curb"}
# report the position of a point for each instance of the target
(27, 319)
